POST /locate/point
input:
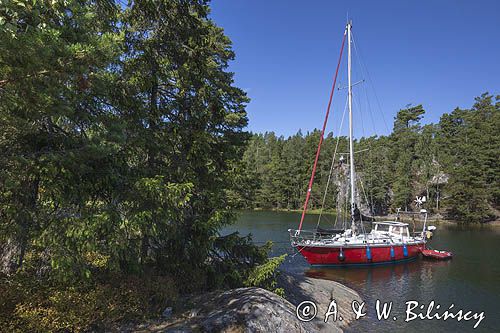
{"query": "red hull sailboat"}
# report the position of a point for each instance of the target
(364, 249)
(341, 253)
(386, 242)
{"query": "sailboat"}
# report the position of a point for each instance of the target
(386, 242)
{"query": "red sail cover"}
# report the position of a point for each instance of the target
(309, 187)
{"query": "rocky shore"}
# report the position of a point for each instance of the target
(258, 310)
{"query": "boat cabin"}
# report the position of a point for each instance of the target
(391, 228)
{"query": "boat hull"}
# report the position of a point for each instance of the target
(437, 255)
(354, 256)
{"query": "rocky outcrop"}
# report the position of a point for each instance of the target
(299, 288)
(236, 310)
(258, 310)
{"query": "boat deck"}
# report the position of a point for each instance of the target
(374, 238)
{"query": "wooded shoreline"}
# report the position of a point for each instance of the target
(434, 218)
(453, 164)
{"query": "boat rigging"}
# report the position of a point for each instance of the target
(386, 242)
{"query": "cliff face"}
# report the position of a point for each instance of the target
(258, 310)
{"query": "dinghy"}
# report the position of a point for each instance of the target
(436, 254)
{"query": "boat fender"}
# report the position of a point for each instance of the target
(341, 255)
(405, 250)
(393, 255)
(368, 253)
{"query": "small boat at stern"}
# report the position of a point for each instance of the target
(436, 254)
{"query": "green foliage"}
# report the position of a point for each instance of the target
(453, 163)
(122, 132)
(123, 153)
(236, 261)
(405, 137)
(121, 139)
(472, 146)
(264, 275)
(233, 257)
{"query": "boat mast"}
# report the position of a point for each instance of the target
(351, 144)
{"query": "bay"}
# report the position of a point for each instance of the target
(470, 281)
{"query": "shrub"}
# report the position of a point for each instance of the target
(264, 276)
(30, 305)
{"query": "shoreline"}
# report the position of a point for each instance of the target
(434, 218)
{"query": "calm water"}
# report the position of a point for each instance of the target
(471, 281)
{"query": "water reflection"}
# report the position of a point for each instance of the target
(470, 280)
(361, 275)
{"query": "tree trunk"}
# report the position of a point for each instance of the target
(30, 201)
(8, 253)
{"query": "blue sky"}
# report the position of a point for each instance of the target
(437, 53)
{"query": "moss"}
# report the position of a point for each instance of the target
(42, 306)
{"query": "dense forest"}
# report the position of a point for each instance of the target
(454, 163)
(120, 133)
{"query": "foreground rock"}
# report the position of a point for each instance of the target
(299, 288)
(258, 310)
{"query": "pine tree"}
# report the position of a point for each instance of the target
(122, 131)
(455, 160)
(405, 134)
(471, 142)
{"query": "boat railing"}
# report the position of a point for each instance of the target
(311, 236)
(300, 236)
(391, 223)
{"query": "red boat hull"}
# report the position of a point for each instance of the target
(439, 255)
(330, 256)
